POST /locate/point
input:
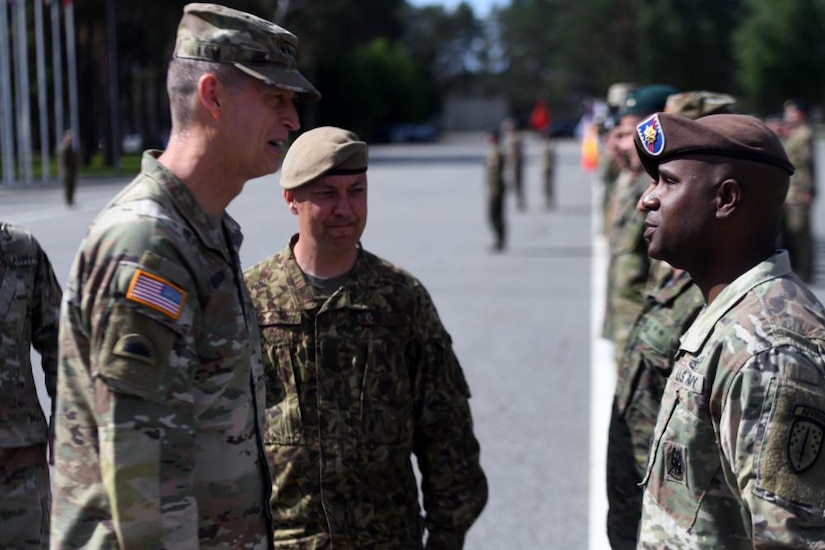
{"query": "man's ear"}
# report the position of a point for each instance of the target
(209, 94)
(728, 198)
(289, 197)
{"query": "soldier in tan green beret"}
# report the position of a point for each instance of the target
(160, 417)
(737, 450)
(361, 376)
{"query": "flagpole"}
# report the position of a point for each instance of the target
(114, 105)
(41, 90)
(23, 114)
(6, 112)
(72, 69)
(57, 70)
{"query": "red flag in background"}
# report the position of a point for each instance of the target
(540, 117)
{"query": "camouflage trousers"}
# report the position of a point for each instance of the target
(25, 498)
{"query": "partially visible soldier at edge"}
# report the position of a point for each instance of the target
(629, 264)
(797, 235)
(611, 162)
(672, 302)
(30, 305)
(361, 376)
(161, 398)
(736, 456)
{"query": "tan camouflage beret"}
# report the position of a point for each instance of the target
(210, 32)
(663, 136)
(323, 151)
(699, 103)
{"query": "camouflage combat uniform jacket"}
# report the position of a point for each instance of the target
(736, 459)
(648, 357)
(356, 384)
(160, 388)
(629, 265)
(29, 311)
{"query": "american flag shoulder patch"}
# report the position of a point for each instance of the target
(157, 293)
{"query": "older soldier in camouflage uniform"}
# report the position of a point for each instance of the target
(736, 452)
(361, 375)
(160, 420)
(796, 230)
(671, 304)
(30, 307)
(629, 265)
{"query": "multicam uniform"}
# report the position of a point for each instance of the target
(495, 194)
(648, 358)
(797, 236)
(629, 266)
(357, 382)
(736, 456)
(160, 389)
(29, 311)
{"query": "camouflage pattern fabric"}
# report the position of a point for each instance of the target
(514, 165)
(608, 172)
(646, 363)
(797, 232)
(357, 383)
(160, 413)
(29, 312)
(736, 460)
(629, 265)
(495, 194)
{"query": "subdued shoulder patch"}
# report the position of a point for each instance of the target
(157, 293)
(135, 346)
(791, 465)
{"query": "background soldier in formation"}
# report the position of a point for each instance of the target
(672, 302)
(736, 455)
(361, 375)
(796, 229)
(68, 161)
(29, 311)
(514, 160)
(629, 265)
(494, 168)
(161, 394)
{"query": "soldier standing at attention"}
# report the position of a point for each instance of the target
(360, 376)
(495, 190)
(67, 157)
(796, 230)
(29, 308)
(514, 160)
(161, 398)
(629, 264)
(736, 454)
(671, 304)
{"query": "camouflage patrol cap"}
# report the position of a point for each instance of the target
(263, 50)
(647, 99)
(323, 151)
(662, 137)
(698, 103)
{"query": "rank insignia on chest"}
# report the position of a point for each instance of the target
(156, 293)
(651, 135)
(805, 441)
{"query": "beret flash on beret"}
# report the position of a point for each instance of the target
(662, 137)
(320, 152)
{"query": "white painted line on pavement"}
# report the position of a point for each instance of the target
(602, 382)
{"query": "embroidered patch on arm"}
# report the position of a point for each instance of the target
(156, 293)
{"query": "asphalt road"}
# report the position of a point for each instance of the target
(524, 322)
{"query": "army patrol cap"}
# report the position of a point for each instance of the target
(324, 151)
(662, 137)
(699, 103)
(647, 99)
(263, 50)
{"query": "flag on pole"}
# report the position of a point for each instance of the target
(540, 117)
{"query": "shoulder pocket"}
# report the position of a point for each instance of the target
(135, 353)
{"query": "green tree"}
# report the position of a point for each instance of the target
(780, 47)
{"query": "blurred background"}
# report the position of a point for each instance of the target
(397, 70)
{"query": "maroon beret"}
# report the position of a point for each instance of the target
(662, 137)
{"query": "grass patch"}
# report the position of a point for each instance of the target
(129, 166)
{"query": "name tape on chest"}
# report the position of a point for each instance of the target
(688, 379)
(156, 293)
